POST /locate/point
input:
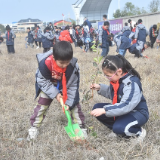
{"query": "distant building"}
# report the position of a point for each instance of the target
(61, 23)
(23, 24)
(92, 9)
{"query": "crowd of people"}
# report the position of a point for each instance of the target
(58, 74)
(131, 38)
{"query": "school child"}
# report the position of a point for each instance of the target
(1, 40)
(73, 35)
(56, 35)
(128, 111)
(59, 30)
(47, 39)
(103, 38)
(10, 36)
(65, 35)
(57, 75)
(39, 36)
(158, 37)
(30, 38)
(35, 36)
(140, 34)
(130, 24)
(126, 31)
(139, 53)
(123, 43)
(153, 33)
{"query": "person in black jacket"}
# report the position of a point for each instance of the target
(153, 33)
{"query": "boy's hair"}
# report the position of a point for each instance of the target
(105, 16)
(48, 28)
(60, 28)
(126, 24)
(67, 28)
(106, 23)
(63, 51)
(140, 21)
(155, 26)
(148, 44)
(113, 63)
(28, 28)
(129, 21)
(56, 27)
(8, 27)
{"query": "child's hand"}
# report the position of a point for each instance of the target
(66, 108)
(95, 87)
(98, 112)
(58, 97)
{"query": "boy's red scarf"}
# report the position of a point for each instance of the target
(106, 30)
(52, 66)
(8, 33)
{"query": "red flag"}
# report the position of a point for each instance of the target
(62, 14)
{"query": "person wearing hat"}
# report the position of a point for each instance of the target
(9, 35)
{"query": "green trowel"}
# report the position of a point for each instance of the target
(73, 130)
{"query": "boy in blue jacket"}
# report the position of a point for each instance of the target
(140, 35)
(104, 32)
(57, 75)
(30, 39)
(10, 36)
(123, 43)
(47, 39)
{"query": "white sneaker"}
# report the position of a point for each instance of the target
(141, 136)
(32, 133)
(85, 133)
(37, 47)
(112, 135)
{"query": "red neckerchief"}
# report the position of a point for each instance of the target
(8, 34)
(77, 31)
(106, 30)
(83, 32)
(115, 88)
(153, 32)
(56, 70)
(134, 29)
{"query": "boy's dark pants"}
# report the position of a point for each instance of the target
(10, 48)
(46, 50)
(153, 40)
(125, 125)
(42, 106)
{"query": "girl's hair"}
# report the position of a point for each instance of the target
(112, 63)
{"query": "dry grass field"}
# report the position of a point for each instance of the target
(17, 92)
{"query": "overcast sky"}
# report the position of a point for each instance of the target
(48, 10)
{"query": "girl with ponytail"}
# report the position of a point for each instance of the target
(128, 111)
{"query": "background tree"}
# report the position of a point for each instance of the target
(129, 10)
(2, 29)
(154, 6)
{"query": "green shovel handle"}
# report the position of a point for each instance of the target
(68, 117)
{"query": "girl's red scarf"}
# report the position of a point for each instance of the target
(115, 88)
(106, 30)
(53, 67)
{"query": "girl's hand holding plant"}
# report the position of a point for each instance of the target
(95, 87)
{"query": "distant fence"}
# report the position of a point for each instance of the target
(117, 24)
